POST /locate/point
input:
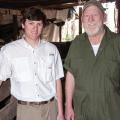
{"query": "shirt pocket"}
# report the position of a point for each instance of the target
(21, 69)
(113, 66)
(50, 60)
(49, 76)
(50, 68)
(113, 71)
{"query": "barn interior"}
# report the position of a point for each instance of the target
(10, 30)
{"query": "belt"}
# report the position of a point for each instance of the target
(35, 103)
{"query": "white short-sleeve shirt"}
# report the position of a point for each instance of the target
(33, 71)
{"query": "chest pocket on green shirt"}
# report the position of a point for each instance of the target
(113, 71)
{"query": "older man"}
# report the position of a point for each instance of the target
(93, 65)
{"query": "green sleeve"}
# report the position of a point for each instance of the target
(70, 56)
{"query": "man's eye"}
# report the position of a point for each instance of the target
(40, 24)
(30, 23)
(96, 15)
(86, 15)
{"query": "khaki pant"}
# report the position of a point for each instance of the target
(37, 112)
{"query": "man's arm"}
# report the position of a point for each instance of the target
(59, 100)
(69, 90)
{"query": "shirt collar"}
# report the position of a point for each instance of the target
(27, 45)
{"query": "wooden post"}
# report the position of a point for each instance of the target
(80, 23)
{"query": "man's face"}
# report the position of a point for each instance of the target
(32, 29)
(93, 19)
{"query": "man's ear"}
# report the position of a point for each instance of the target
(23, 26)
(105, 17)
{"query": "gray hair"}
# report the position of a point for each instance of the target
(94, 3)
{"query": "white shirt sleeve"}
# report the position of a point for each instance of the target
(58, 66)
(5, 67)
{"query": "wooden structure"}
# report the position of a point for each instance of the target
(8, 31)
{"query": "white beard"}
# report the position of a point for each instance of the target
(93, 29)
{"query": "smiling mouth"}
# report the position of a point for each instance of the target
(34, 32)
(92, 26)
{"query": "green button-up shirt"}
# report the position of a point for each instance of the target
(97, 78)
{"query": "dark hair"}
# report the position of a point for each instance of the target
(33, 14)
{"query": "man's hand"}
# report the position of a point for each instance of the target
(69, 113)
(60, 117)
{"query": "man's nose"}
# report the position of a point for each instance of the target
(91, 18)
(35, 26)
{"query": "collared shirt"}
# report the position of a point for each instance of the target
(32, 71)
(97, 78)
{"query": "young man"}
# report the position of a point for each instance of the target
(93, 64)
(34, 67)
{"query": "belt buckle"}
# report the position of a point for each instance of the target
(38, 103)
(34, 103)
